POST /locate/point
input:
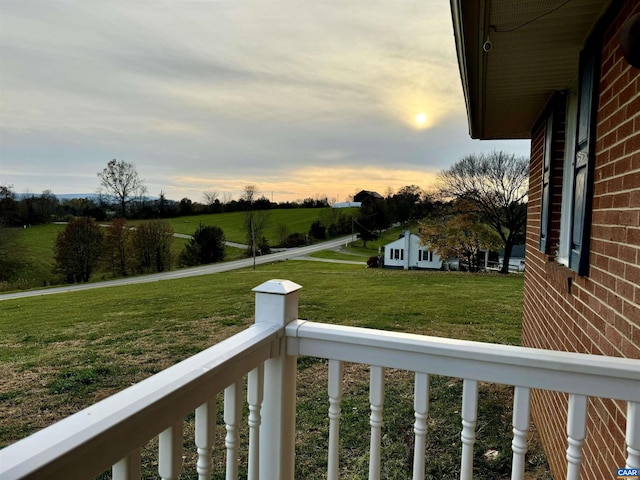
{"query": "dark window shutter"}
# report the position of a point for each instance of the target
(545, 210)
(584, 160)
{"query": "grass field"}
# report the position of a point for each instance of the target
(232, 224)
(61, 353)
(34, 246)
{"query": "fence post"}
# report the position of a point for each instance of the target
(277, 304)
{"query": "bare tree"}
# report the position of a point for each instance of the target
(151, 244)
(210, 197)
(254, 220)
(120, 180)
(494, 186)
(250, 193)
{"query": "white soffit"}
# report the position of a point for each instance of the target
(535, 51)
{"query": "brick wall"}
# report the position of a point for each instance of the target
(599, 313)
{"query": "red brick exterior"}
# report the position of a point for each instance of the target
(598, 313)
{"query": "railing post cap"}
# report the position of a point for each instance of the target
(277, 287)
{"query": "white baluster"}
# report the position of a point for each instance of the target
(335, 395)
(633, 435)
(170, 452)
(255, 395)
(205, 435)
(576, 431)
(128, 468)
(521, 400)
(421, 408)
(469, 419)
(232, 415)
(376, 399)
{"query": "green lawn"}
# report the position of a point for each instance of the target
(60, 353)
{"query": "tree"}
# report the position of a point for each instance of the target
(117, 247)
(372, 218)
(78, 249)
(212, 201)
(8, 206)
(205, 246)
(318, 231)
(151, 246)
(46, 206)
(493, 186)
(185, 207)
(120, 180)
(407, 204)
(461, 235)
(10, 246)
(255, 221)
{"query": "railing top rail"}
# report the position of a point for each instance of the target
(107, 431)
(593, 375)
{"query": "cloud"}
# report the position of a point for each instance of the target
(285, 95)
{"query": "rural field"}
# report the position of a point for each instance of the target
(60, 353)
(35, 246)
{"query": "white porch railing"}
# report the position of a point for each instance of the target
(112, 432)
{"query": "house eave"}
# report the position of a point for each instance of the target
(534, 52)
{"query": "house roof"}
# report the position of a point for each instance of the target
(370, 193)
(534, 51)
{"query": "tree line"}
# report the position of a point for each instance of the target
(480, 204)
(124, 250)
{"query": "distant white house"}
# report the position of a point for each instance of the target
(407, 253)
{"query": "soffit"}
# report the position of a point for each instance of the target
(536, 46)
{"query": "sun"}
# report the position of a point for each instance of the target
(421, 119)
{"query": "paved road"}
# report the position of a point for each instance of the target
(187, 272)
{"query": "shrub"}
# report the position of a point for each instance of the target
(295, 240)
(205, 246)
(318, 231)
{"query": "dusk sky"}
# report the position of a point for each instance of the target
(298, 98)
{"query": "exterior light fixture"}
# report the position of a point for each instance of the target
(630, 40)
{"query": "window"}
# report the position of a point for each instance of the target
(577, 181)
(564, 244)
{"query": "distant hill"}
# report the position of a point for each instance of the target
(69, 196)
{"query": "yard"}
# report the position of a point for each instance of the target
(61, 353)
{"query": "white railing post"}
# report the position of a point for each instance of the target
(129, 467)
(205, 435)
(277, 304)
(335, 395)
(633, 435)
(376, 399)
(255, 396)
(170, 452)
(421, 414)
(576, 432)
(232, 414)
(469, 419)
(521, 411)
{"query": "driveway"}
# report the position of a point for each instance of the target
(287, 254)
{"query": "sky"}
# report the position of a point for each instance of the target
(301, 99)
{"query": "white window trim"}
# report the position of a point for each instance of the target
(564, 244)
